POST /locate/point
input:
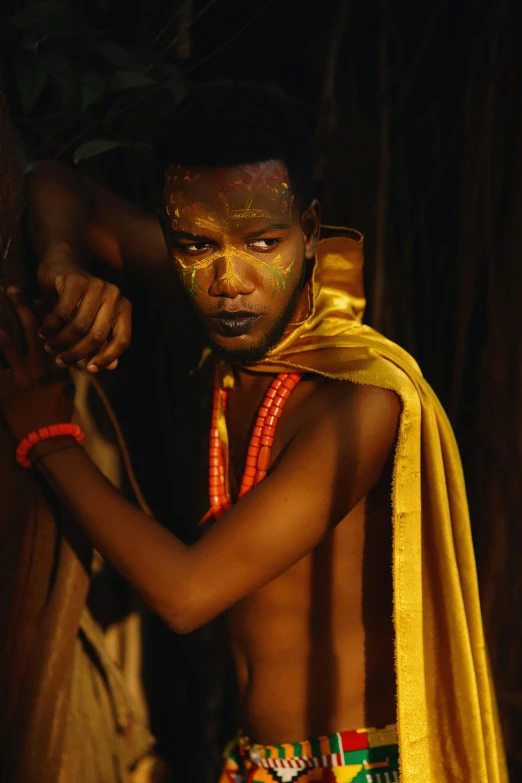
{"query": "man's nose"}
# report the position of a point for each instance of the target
(231, 278)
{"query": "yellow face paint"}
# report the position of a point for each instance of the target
(234, 204)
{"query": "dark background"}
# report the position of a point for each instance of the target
(418, 146)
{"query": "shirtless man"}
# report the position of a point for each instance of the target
(301, 563)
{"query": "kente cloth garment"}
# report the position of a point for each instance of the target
(447, 722)
(362, 756)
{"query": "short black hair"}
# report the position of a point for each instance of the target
(236, 124)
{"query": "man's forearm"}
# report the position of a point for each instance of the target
(155, 562)
(59, 205)
(68, 212)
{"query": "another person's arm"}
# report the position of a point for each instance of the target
(68, 212)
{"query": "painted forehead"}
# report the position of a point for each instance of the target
(200, 201)
(253, 191)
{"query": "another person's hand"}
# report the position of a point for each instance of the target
(33, 391)
(90, 318)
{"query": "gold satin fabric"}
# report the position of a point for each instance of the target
(448, 727)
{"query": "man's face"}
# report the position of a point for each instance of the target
(239, 243)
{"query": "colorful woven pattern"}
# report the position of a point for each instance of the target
(362, 756)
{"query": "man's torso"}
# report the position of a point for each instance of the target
(314, 647)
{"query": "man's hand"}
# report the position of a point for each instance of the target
(33, 391)
(90, 317)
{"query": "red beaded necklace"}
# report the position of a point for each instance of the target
(259, 449)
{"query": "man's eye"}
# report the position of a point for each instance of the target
(194, 248)
(264, 244)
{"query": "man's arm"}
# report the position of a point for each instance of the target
(67, 208)
(66, 213)
(329, 466)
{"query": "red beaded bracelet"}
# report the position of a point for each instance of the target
(44, 433)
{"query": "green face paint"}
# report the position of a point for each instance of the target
(230, 205)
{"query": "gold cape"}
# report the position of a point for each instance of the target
(447, 720)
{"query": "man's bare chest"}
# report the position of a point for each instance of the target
(242, 412)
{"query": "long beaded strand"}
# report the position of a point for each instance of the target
(219, 498)
(260, 446)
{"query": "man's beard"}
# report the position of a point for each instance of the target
(270, 339)
(252, 355)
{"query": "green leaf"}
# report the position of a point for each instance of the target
(123, 80)
(94, 86)
(95, 147)
(32, 73)
(117, 55)
(49, 18)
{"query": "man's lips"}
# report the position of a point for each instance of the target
(231, 323)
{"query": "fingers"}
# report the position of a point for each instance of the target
(12, 357)
(89, 326)
(74, 288)
(91, 318)
(95, 336)
(119, 342)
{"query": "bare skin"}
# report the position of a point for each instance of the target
(333, 665)
(302, 564)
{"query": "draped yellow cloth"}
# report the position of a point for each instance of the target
(447, 719)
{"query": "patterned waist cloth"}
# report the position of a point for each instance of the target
(361, 756)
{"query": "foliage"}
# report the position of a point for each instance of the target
(74, 87)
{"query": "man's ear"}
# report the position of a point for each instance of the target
(311, 227)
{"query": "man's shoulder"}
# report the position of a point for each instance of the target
(362, 419)
(342, 398)
(344, 441)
